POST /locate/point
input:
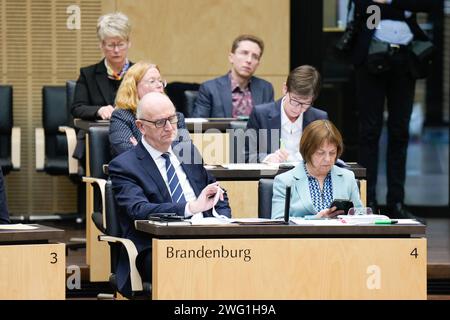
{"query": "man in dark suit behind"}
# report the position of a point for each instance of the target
(159, 176)
(235, 93)
(389, 78)
(4, 216)
(274, 129)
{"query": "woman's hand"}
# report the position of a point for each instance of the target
(329, 213)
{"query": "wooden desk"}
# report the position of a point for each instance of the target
(288, 262)
(32, 267)
(243, 204)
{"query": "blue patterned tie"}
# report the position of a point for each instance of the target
(176, 192)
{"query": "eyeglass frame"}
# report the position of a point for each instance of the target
(152, 82)
(296, 103)
(175, 116)
(115, 45)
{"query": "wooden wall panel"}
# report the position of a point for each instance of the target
(190, 40)
(38, 49)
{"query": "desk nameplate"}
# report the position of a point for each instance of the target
(325, 268)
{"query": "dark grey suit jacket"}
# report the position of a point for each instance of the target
(4, 216)
(268, 116)
(214, 97)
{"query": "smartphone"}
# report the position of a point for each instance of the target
(342, 205)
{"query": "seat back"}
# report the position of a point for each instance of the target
(99, 150)
(265, 192)
(70, 92)
(237, 140)
(6, 124)
(54, 115)
(112, 226)
(175, 91)
(99, 155)
(189, 101)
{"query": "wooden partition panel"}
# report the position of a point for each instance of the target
(34, 271)
(320, 268)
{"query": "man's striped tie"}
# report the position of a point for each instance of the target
(176, 192)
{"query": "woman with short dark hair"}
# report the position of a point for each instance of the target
(316, 181)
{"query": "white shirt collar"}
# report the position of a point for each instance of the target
(286, 123)
(155, 154)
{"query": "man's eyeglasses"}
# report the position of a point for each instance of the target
(296, 103)
(162, 122)
(156, 82)
(112, 46)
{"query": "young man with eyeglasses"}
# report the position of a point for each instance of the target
(274, 129)
(159, 175)
(235, 93)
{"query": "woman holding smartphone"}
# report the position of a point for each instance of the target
(316, 180)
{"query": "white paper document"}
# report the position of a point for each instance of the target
(195, 120)
(18, 226)
(250, 166)
(317, 222)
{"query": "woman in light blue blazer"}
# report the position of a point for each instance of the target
(316, 180)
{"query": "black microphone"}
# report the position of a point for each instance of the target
(287, 204)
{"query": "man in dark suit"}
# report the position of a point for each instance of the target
(390, 77)
(97, 85)
(159, 176)
(235, 93)
(4, 216)
(274, 129)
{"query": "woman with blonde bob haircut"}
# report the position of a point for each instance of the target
(316, 181)
(142, 78)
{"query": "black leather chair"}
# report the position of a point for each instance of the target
(70, 92)
(56, 140)
(237, 138)
(105, 210)
(265, 192)
(9, 135)
(175, 91)
(99, 156)
(189, 102)
(113, 235)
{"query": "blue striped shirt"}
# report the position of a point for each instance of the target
(321, 198)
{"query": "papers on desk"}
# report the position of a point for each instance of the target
(195, 120)
(317, 222)
(170, 223)
(18, 226)
(250, 166)
(362, 218)
(407, 221)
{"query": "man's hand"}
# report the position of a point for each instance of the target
(207, 198)
(133, 141)
(105, 112)
(278, 156)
